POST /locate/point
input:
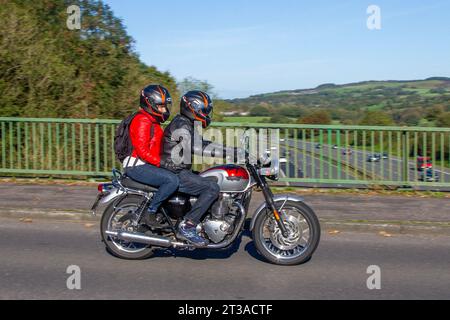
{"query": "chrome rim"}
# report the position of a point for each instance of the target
(124, 219)
(299, 234)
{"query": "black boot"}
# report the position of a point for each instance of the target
(149, 218)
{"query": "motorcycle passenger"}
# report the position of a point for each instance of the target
(144, 164)
(194, 106)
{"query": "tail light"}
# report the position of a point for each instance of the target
(104, 187)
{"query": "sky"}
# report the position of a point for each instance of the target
(246, 47)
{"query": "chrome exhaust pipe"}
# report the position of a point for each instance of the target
(141, 238)
(154, 240)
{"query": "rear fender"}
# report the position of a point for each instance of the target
(113, 194)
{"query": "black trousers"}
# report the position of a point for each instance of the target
(205, 190)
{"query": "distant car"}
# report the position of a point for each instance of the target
(335, 147)
(385, 156)
(373, 158)
(427, 176)
(424, 163)
(318, 146)
(348, 151)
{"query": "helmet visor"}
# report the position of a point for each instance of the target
(166, 107)
(207, 110)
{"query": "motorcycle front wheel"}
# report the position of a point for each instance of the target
(123, 218)
(303, 227)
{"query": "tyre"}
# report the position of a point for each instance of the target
(304, 234)
(123, 218)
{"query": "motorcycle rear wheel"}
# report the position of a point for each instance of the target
(120, 218)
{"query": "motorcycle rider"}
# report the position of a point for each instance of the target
(144, 164)
(194, 106)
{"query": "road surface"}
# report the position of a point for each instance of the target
(35, 257)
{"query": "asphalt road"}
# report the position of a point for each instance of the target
(35, 257)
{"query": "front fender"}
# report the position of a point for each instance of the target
(278, 199)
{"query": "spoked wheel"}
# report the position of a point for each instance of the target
(303, 235)
(124, 218)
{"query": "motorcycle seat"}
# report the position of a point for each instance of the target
(133, 184)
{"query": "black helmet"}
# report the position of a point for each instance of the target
(197, 106)
(154, 96)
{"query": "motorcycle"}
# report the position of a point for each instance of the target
(284, 229)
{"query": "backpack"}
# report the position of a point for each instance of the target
(122, 141)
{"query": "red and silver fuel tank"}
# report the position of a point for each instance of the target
(231, 178)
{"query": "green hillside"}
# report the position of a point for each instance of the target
(419, 102)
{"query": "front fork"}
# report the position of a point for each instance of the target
(268, 195)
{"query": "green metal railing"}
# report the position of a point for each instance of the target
(314, 154)
(57, 146)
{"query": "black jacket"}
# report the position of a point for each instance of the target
(179, 134)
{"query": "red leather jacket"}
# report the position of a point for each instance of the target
(146, 148)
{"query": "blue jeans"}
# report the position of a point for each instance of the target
(166, 182)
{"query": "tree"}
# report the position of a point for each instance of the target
(410, 117)
(220, 105)
(316, 117)
(190, 83)
(259, 111)
(438, 90)
(376, 118)
(277, 118)
(47, 70)
(434, 112)
(443, 120)
(292, 111)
